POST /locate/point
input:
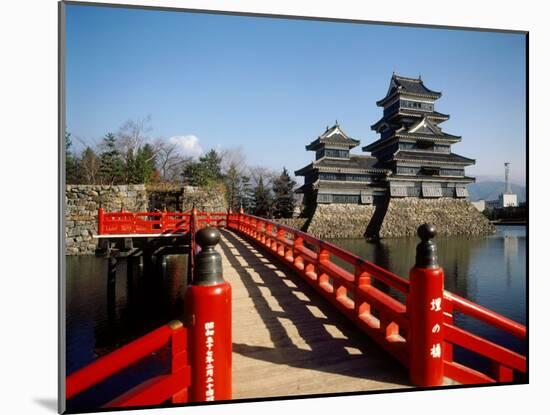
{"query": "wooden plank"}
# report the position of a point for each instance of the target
(287, 340)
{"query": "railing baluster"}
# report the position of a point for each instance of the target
(502, 373)
(269, 234)
(297, 257)
(280, 244)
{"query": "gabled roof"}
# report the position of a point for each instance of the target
(424, 126)
(333, 135)
(410, 86)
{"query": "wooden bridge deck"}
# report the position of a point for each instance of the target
(287, 340)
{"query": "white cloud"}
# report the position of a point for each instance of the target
(188, 144)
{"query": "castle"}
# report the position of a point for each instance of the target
(411, 163)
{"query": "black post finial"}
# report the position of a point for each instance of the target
(426, 251)
(208, 262)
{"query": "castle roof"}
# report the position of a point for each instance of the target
(431, 157)
(356, 163)
(335, 136)
(409, 86)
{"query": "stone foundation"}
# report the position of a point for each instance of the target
(450, 217)
(297, 223)
(340, 220)
(403, 217)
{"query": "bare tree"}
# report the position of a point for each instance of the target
(233, 159)
(133, 134)
(267, 175)
(170, 161)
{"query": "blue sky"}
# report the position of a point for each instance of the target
(272, 85)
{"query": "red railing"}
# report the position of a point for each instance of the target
(175, 385)
(503, 361)
(128, 223)
(122, 223)
(152, 392)
(215, 219)
(382, 315)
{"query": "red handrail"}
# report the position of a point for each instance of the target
(504, 361)
(484, 314)
(390, 327)
(165, 387)
(117, 223)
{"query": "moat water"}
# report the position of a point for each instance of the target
(101, 317)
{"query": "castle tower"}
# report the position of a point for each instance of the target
(413, 146)
(336, 176)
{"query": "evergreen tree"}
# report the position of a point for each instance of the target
(211, 162)
(205, 172)
(144, 164)
(246, 195)
(71, 163)
(262, 199)
(194, 174)
(130, 168)
(232, 182)
(283, 189)
(88, 167)
(111, 164)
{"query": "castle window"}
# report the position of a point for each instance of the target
(425, 145)
(345, 198)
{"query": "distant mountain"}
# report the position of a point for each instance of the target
(491, 190)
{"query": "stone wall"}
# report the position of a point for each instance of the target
(209, 199)
(340, 220)
(297, 223)
(83, 201)
(81, 205)
(450, 217)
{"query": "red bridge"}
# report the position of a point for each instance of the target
(292, 314)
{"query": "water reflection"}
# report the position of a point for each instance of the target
(104, 313)
(510, 252)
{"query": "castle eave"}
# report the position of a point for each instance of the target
(432, 158)
(449, 179)
(303, 170)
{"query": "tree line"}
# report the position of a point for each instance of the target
(129, 157)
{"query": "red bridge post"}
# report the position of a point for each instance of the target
(100, 221)
(208, 316)
(425, 305)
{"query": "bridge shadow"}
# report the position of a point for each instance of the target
(301, 329)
